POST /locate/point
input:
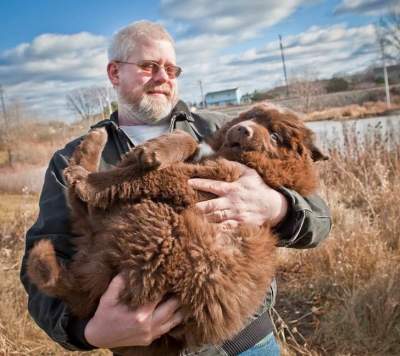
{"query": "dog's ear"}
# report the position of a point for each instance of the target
(316, 153)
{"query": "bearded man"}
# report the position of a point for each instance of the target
(142, 68)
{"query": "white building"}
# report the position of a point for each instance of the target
(223, 97)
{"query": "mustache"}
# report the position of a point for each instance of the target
(152, 87)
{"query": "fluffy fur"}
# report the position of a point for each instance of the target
(139, 219)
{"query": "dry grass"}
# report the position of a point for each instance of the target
(22, 180)
(18, 334)
(354, 111)
(33, 143)
(342, 298)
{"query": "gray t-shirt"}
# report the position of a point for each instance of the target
(141, 133)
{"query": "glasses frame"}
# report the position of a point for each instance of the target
(177, 70)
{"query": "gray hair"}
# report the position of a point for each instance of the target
(124, 41)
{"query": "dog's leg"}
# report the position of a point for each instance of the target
(169, 184)
(80, 289)
(162, 151)
(85, 160)
(45, 271)
(88, 153)
(219, 169)
(100, 188)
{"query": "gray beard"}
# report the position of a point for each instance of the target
(149, 111)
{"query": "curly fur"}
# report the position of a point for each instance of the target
(139, 219)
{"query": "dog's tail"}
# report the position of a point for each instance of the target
(46, 272)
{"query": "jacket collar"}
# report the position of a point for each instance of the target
(180, 112)
(180, 118)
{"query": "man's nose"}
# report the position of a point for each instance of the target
(161, 75)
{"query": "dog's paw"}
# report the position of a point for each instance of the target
(75, 174)
(147, 158)
(77, 180)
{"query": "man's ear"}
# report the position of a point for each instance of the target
(113, 73)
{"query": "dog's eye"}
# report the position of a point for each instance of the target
(275, 138)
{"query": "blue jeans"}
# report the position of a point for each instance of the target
(266, 347)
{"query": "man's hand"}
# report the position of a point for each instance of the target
(247, 200)
(114, 325)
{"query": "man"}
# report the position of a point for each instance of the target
(142, 68)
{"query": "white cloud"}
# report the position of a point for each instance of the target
(327, 50)
(367, 7)
(236, 17)
(42, 72)
(50, 45)
(67, 57)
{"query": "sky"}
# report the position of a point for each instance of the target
(48, 48)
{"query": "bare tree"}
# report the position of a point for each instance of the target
(82, 102)
(88, 102)
(16, 115)
(305, 85)
(105, 96)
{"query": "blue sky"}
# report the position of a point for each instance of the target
(48, 48)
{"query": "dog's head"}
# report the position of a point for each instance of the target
(269, 130)
(274, 142)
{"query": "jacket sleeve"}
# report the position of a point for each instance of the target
(307, 222)
(51, 314)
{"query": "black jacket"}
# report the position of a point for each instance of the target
(307, 223)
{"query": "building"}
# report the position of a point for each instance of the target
(223, 97)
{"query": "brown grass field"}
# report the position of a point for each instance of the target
(341, 298)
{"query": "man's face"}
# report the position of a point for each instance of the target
(142, 95)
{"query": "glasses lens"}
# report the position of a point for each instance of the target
(173, 71)
(153, 68)
(178, 71)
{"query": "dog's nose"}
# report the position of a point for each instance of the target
(244, 131)
(240, 133)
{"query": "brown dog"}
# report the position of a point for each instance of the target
(139, 219)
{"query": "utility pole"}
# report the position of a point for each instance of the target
(385, 75)
(202, 95)
(3, 104)
(284, 66)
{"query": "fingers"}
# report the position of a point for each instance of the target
(220, 216)
(211, 186)
(176, 319)
(165, 311)
(211, 205)
(241, 167)
(217, 210)
(229, 224)
(114, 288)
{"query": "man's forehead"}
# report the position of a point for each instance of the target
(154, 50)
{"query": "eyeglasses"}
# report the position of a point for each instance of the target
(152, 67)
